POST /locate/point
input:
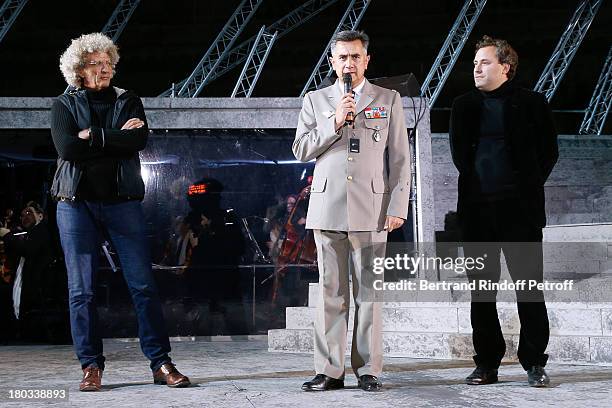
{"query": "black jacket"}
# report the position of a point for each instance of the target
(531, 141)
(123, 145)
(37, 249)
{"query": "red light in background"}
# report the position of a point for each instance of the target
(197, 189)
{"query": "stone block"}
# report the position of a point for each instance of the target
(291, 341)
(578, 233)
(606, 321)
(420, 319)
(312, 294)
(572, 218)
(300, 317)
(575, 322)
(601, 350)
(582, 267)
(508, 320)
(568, 349)
(416, 345)
(557, 252)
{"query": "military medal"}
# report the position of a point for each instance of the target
(376, 135)
(376, 112)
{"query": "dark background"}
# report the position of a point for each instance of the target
(165, 39)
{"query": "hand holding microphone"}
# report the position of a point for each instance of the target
(347, 79)
(347, 107)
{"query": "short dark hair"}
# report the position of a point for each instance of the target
(36, 207)
(350, 35)
(504, 51)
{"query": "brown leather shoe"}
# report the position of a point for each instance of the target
(168, 375)
(92, 379)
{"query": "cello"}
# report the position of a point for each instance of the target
(298, 248)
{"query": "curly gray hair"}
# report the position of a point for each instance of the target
(73, 59)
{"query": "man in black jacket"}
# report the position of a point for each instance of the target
(504, 145)
(98, 131)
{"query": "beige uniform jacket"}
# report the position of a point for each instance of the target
(355, 191)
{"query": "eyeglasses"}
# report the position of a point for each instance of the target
(100, 64)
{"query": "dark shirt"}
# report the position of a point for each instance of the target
(494, 172)
(99, 179)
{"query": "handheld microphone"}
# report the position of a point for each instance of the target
(348, 88)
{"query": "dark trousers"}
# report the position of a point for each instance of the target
(493, 227)
(80, 225)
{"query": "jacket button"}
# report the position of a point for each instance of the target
(350, 158)
(349, 178)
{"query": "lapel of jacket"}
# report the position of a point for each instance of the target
(82, 113)
(333, 95)
(367, 96)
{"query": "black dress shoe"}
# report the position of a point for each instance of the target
(537, 377)
(321, 382)
(482, 376)
(369, 383)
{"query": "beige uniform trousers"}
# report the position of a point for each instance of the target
(335, 250)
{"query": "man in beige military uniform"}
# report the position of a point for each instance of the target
(359, 193)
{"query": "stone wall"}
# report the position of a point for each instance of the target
(578, 191)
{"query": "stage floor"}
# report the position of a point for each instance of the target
(244, 374)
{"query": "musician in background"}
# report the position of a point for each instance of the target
(32, 252)
(213, 276)
(180, 244)
(279, 219)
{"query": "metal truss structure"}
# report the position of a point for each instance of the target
(254, 63)
(119, 19)
(599, 106)
(566, 48)
(283, 26)
(219, 49)
(449, 53)
(8, 14)
(350, 20)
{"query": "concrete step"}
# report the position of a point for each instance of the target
(438, 327)
(590, 293)
(445, 346)
(563, 321)
(581, 332)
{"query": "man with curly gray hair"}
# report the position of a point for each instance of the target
(75, 56)
(98, 131)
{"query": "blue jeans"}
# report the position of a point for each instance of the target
(80, 225)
